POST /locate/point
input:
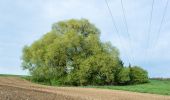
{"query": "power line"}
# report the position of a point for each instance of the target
(126, 25)
(114, 23)
(150, 22)
(124, 17)
(163, 18)
(112, 17)
(149, 30)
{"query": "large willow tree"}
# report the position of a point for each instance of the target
(72, 54)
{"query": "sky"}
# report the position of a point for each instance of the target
(24, 21)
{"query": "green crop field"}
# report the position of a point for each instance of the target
(10, 75)
(7, 75)
(155, 87)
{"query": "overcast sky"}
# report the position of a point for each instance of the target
(24, 21)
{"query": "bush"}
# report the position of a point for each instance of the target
(40, 74)
(98, 70)
(124, 76)
(138, 75)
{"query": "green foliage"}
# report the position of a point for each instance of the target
(138, 75)
(98, 70)
(73, 54)
(124, 76)
(82, 26)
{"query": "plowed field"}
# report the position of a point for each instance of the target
(14, 88)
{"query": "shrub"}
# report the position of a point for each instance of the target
(98, 70)
(124, 76)
(138, 75)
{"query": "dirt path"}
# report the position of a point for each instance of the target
(13, 88)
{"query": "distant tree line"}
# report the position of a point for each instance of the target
(73, 54)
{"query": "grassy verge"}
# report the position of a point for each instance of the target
(155, 87)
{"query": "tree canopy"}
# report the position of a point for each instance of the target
(73, 54)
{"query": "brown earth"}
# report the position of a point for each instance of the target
(14, 88)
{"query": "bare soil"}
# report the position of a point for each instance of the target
(14, 88)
